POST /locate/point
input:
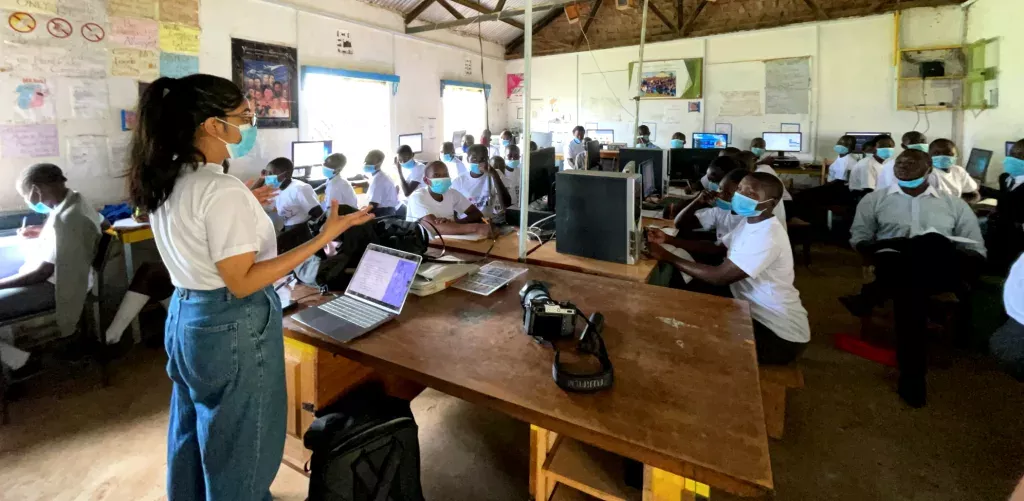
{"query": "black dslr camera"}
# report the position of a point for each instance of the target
(544, 318)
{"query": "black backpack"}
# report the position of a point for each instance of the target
(365, 448)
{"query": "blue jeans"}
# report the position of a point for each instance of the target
(228, 405)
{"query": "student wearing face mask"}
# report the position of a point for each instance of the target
(643, 139)
(410, 170)
(506, 141)
(912, 140)
(921, 242)
(383, 192)
(757, 147)
(864, 175)
(64, 248)
(482, 183)
(297, 202)
(758, 268)
(223, 336)
(338, 188)
(711, 211)
(493, 150)
(573, 147)
(447, 210)
(511, 172)
(467, 143)
(1005, 237)
(678, 141)
(947, 176)
(455, 166)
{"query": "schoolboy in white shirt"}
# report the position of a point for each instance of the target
(864, 176)
(712, 210)
(297, 202)
(338, 188)
(455, 166)
(839, 170)
(948, 177)
(573, 148)
(383, 191)
(912, 140)
(509, 167)
(410, 171)
(441, 206)
(481, 182)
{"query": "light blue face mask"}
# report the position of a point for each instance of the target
(577, 140)
(943, 162)
(840, 149)
(409, 165)
(746, 206)
(474, 168)
(369, 169)
(248, 142)
(885, 153)
(1013, 166)
(505, 142)
(327, 172)
(677, 143)
(447, 158)
(757, 151)
(713, 186)
(40, 208)
(913, 183)
(512, 164)
(272, 181)
(440, 185)
(722, 204)
(465, 149)
(919, 147)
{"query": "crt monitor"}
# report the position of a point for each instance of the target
(977, 163)
(783, 142)
(1009, 147)
(707, 140)
(310, 153)
(863, 137)
(603, 136)
(543, 139)
(414, 141)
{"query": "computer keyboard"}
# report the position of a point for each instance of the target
(354, 311)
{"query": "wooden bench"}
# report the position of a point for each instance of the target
(775, 379)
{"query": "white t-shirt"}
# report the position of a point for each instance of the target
(955, 181)
(383, 191)
(569, 152)
(1013, 291)
(723, 221)
(210, 216)
(294, 202)
(763, 252)
(421, 204)
(840, 169)
(864, 175)
(476, 190)
(413, 175)
(887, 175)
(338, 188)
(767, 168)
(512, 181)
(456, 168)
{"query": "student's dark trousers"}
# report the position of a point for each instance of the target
(1007, 345)
(921, 267)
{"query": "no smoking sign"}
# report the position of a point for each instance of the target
(59, 28)
(93, 32)
(22, 22)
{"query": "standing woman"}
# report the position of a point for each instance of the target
(223, 336)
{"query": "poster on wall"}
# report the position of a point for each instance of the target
(344, 42)
(514, 87)
(33, 101)
(669, 79)
(267, 75)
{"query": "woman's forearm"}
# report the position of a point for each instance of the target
(259, 275)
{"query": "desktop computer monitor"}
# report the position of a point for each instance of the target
(689, 164)
(457, 138)
(1009, 147)
(310, 153)
(543, 139)
(648, 178)
(863, 137)
(707, 140)
(977, 163)
(414, 141)
(542, 175)
(603, 136)
(659, 162)
(783, 142)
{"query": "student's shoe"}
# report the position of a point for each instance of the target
(913, 391)
(857, 305)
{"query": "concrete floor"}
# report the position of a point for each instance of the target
(848, 436)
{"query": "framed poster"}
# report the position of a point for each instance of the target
(267, 75)
(669, 79)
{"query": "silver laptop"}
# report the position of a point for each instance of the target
(375, 295)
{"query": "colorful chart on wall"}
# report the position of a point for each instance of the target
(669, 79)
(267, 74)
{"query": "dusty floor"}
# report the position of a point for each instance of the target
(848, 437)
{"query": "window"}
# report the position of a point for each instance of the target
(354, 113)
(464, 109)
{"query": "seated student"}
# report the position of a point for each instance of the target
(382, 190)
(731, 152)
(864, 176)
(749, 158)
(151, 281)
(297, 201)
(338, 188)
(839, 170)
(510, 169)
(811, 203)
(506, 140)
(572, 148)
(455, 166)
(711, 211)
(905, 231)
(410, 170)
(482, 182)
(467, 142)
(947, 176)
(643, 139)
(64, 248)
(485, 139)
(758, 268)
(912, 140)
(678, 140)
(757, 147)
(1005, 236)
(1007, 343)
(441, 206)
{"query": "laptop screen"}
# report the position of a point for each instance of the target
(384, 277)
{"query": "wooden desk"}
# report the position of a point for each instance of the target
(547, 255)
(506, 247)
(686, 399)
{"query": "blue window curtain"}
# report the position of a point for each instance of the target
(365, 75)
(471, 85)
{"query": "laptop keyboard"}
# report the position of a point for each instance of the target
(354, 311)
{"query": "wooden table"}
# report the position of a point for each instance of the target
(686, 400)
(548, 255)
(506, 247)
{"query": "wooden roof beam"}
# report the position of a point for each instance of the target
(586, 25)
(417, 10)
(451, 10)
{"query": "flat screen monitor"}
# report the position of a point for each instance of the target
(789, 142)
(414, 141)
(1009, 147)
(542, 174)
(689, 163)
(310, 153)
(543, 139)
(457, 138)
(977, 163)
(863, 137)
(603, 136)
(648, 179)
(707, 140)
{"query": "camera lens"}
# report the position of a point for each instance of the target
(533, 290)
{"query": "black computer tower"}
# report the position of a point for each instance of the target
(598, 215)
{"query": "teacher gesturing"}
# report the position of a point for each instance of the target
(223, 334)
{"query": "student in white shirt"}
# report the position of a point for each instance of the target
(338, 188)
(224, 332)
(1007, 343)
(493, 150)
(643, 137)
(921, 242)
(383, 191)
(297, 202)
(758, 269)
(757, 147)
(749, 160)
(839, 169)
(712, 209)
(912, 140)
(410, 170)
(467, 142)
(864, 176)
(441, 206)
(731, 152)
(948, 177)
(455, 166)
(509, 167)
(506, 141)
(482, 183)
(1005, 237)
(573, 148)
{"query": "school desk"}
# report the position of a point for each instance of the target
(686, 401)
(506, 247)
(130, 234)
(548, 255)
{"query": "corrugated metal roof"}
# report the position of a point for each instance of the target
(492, 31)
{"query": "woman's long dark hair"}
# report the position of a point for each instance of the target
(163, 144)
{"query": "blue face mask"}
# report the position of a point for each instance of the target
(40, 208)
(465, 149)
(327, 172)
(885, 153)
(447, 158)
(840, 149)
(577, 140)
(713, 186)
(243, 147)
(722, 204)
(757, 151)
(369, 169)
(512, 164)
(272, 180)
(677, 143)
(1013, 166)
(409, 165)
(745, 206)
(505, 142)
(440, 185)
(913, 183)
(943, 162)
(474, 168)
(919, 147)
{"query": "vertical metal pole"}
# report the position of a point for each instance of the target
(639, 74)
(524, 179)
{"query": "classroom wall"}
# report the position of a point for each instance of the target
(990, 129)
(852, 73)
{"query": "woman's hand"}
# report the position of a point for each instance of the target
(337, 224)
(264, 194)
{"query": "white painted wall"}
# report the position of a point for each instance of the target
(853, 76)
(990, 129)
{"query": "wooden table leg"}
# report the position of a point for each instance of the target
(660, 485)
(541, 442)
